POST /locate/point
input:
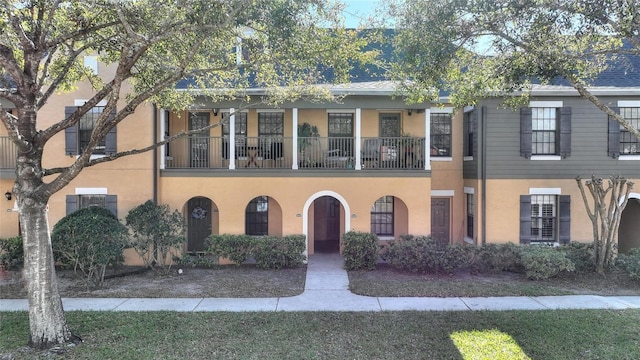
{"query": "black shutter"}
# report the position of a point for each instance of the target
(465, 130)
(525, 132)
(614, 135)
(474, 138)
(565, 132)
(525, 219)
(72, 203)
(112, 204)
(565, 219)
(110, 140)
(70, 133)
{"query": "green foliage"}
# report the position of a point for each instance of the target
(544, 262)
(498, 257)
(424, 254)
(11, 252)
(88, 241)
(237, 248)
(630, 263)
(269, 252)
(156, 232)
(581, 254)
(360, 250)
(273, 252)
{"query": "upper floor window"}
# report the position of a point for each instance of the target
(545, 130)
(621, 141)
(341, 133)
(441, 135)
(78, 137)
(240, 124)
(271, 124)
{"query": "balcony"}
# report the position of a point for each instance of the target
(333, 153)
(7, 154)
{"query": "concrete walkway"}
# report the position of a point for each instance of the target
(327, 289)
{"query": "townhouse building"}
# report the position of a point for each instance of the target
(481, 174)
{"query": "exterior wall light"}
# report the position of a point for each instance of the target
(8, 195)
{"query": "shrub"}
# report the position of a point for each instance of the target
(581, 254)
(502, 257)
(424, 254)
(279, 252)
(156, 231)
(237, 248)
(11, 252)
(88, 241)
(630, 263)
(360, 250)
(544, 262)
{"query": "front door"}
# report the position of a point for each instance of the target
(198, 223)
(199, 143)
(440, 218)
(327, 224)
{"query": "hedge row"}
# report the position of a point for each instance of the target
(269, 252)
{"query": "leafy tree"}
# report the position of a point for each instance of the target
(156, 231)
(476, 49)
(89, 240)
(148, 46)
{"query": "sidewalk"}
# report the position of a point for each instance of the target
(327, 289)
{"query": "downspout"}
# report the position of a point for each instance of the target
(483, 161)
(155, 154)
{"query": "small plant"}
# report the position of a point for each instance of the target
(360, 250)
(630, 263)
(88, 241)
(544, 262)
(157, 231)
(11, 252)
(279, 252)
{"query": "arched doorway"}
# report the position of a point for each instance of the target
(327, 229)
(202, 221)
(629, 230)
(308, 216)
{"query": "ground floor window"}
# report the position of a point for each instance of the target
(545, 218)
(382, 216)
(77, 202)
(257, 216)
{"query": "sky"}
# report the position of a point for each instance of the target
(357, 10)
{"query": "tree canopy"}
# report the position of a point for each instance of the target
(220, 48)
(473, 49)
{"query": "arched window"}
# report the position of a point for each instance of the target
(382, 216)
(257, 216)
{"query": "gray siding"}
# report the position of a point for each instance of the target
(589, 145)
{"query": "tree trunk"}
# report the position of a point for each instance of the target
(47, 323)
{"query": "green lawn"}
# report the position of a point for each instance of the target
(575, 334)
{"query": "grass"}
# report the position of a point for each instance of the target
(566, 334)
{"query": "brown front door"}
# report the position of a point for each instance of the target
(440, 218)
(327, 224)
(198, 223)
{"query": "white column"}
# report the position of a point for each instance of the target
(163, 148)
(232, 139)
(427, 139)
(358, 165)
(294, 144)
